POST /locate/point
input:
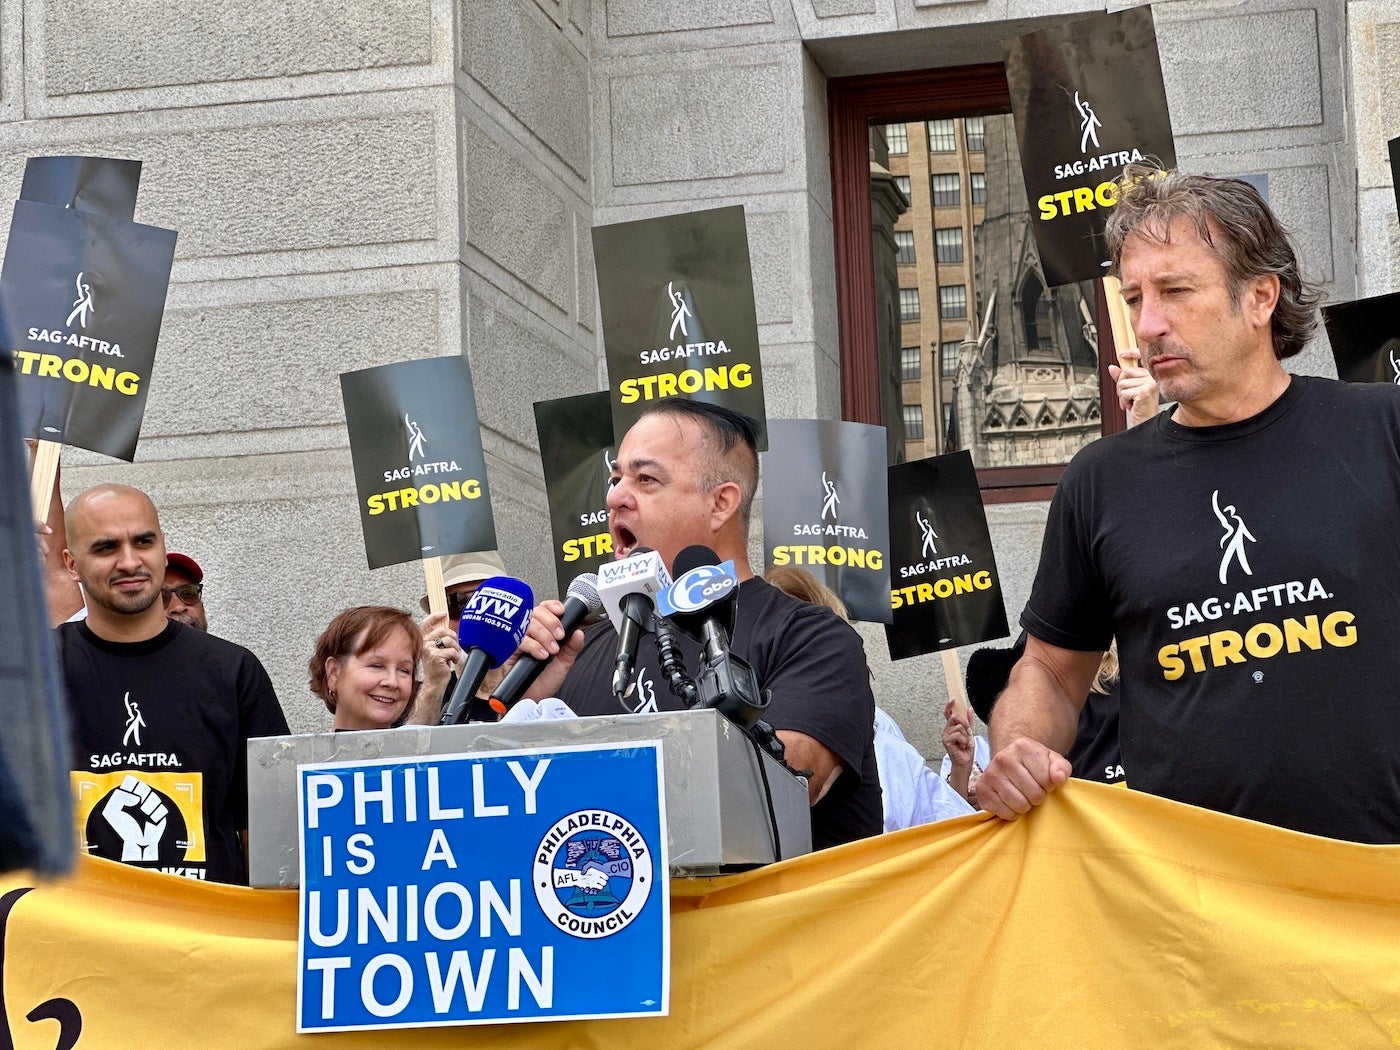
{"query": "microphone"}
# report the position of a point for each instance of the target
(492, 625)
(581, 605)
(626, 588)
(704, 602)
(703, 591)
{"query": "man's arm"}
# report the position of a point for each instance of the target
(806, 753)
(1034, 723)
(60, 589)
(822, 708)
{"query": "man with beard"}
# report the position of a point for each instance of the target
(182, 593)
(161, 712)
(1242, 547)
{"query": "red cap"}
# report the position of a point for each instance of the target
(185, 564)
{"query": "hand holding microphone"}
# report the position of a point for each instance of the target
(492, 625)
(581, 605)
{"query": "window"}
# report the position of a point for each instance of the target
(952, 301)
(1035, 314)
(910, 362)
(908, 305)
(949, 243)
(976, 130)
(979, 187)
(946, 191)
(898, 138)
(942, 136)
(902, 181)
(904, 243)
(913, 422)
(1012, 463)
(948, 357)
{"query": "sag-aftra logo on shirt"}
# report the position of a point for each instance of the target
(1264, 639)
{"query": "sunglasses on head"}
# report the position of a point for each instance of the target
(189, 593)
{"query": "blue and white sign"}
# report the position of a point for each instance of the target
(485, 888)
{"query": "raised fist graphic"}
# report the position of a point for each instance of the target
(137, 814)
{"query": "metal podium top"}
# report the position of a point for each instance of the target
(716, 805)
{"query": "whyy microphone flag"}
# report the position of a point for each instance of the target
(945, 590)
(825, 508)
(1088, 99)
(678, 314)
(419, 469)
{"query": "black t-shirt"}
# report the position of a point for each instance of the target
(160, 731)
(1251, 573)
(815, 666)
(1095, 754)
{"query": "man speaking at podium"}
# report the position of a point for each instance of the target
(685, 475)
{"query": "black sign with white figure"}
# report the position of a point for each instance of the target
(104, 185)
(1365, 338)
(419, 468)
(577, 452)
(82, 297)
(1088, 99)
(944, 589)
(826, 510)
(678, 314)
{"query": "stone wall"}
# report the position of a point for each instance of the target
(352, 186)
(369, 182)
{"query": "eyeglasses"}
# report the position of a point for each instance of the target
(188, 593)
(457, 602)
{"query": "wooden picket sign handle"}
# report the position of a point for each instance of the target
(957, 691)
(42, 475)
(1124, 338)
(437, 591)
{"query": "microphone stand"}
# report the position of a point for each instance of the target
(729, 685)
(672, 662)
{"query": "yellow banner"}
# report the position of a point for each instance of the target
(1106, 919)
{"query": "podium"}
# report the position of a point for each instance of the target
(718, 785)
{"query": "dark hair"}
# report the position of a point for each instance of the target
(1231, 217)
(726, 430)
(354, 632)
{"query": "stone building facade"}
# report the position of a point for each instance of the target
(382, 180)
(1027, 382)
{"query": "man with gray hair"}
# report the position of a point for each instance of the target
(1258, 684)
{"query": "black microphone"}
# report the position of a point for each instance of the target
(490, 630)
(581, 605)
(626, 588)
(704, 589)
(703, 602)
